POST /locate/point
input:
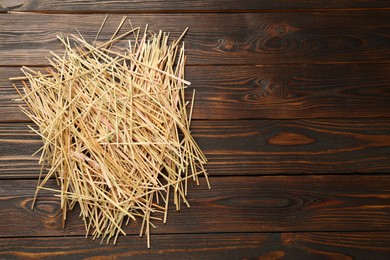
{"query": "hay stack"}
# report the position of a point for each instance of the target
(116, 128)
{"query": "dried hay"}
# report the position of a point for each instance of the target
(116, 128)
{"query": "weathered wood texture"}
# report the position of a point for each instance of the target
(91, 6)
(303, 173)
(235, 204)
(218, 38)
(250, 147)
(261, 246)
(288, 91)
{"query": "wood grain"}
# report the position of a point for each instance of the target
(252, 92)
(17, 144)
(250, 147)
(90, 6)
(304, 245)
(9, 108)
(295, 91)
(292, 111)
(218, 38)
(235, 204)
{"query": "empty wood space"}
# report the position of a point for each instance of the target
(292, 110)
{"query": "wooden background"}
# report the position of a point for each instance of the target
(292, 110)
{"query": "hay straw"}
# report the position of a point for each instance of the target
(116, 128)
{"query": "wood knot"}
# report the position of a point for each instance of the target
(279, 29)
(225, 45)
(272, 87)
(46, 208)
(277, 37)
(269, 90)
(290, 138)
(275, 43)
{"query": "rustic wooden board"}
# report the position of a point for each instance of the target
(304, 245)
(269, 91)
(91, 6)
(218, 38)
(250, 147)
(291, 91)
(235, 204)
(291, 110)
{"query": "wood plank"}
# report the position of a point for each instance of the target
(314, 245)
(281, 91)
(91, 6)
(295, 91)
(218, 38)
(10, 108)
(16, 146)
(235, 204)
(250, 147)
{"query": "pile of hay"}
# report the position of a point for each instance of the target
(116, 128)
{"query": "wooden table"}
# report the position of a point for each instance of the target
(292, 111)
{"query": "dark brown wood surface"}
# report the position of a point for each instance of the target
(239, 204)
(218, 38)
(91, 6)
(292, 110)
(262, 246)
(249, 147)
(266, 91)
